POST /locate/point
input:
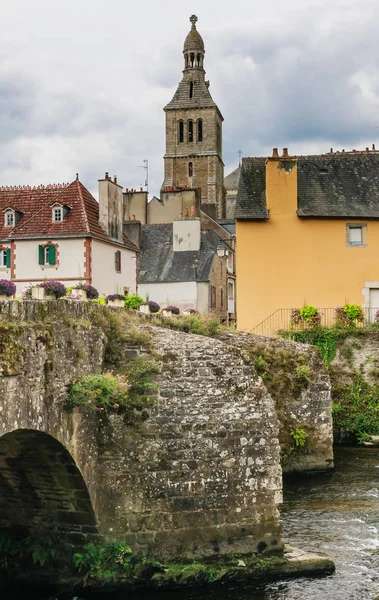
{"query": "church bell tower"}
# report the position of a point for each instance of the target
(194, 132)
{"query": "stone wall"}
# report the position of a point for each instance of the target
(299, 384)
(203, 476)
(200, 477)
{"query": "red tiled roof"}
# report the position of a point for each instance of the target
(35, 207)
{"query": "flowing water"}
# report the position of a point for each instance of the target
(337, 514)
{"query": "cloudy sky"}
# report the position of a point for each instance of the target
(83, 82)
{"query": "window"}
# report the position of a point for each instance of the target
(191, 89)
(10, 219)
(181, 132)
(231, 290)
(222, 298)
(192, 59)
(190, 131)
(57, 214)
(356, 234)
(200, 130)
(213, 297)
(230, 262)
(117, 261)
(190, 169)
(5, 258)
(47, 255)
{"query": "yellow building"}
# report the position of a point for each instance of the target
(307, 233)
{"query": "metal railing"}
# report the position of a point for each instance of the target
(281, 319)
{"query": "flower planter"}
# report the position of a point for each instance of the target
(79, 294)
(116, 302)
(39, 293)
(166, 313)
(144, 308)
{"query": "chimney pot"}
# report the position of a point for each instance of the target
(134, 217)
(331, 150)
(367, 150)
(275, 153)
(127, 190)
(129, 218)
(115, 179)
(343, 149)
(285, 153)
(141, 190)
(192, 210)
(373, 146)
(186, 212)
(106, 174)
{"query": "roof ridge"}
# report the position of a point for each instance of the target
(79, 184)
(49, 186)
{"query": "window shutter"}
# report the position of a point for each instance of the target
(52, 255)
(41, 255)
(8, 258)
(117, 260)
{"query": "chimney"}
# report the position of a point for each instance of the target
(132, 230)
(186, 234)
(275, 153)
(285, 153)
(373, 147)
(111, 210)
(331, 150)
(192, 210)
(115, 179)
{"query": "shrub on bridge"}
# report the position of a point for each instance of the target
(107, 392)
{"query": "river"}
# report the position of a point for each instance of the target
(337, 514)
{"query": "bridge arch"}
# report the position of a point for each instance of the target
(42, 491)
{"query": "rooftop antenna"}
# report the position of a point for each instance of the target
(239, 157)
(146, 167)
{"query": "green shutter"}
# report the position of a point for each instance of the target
(41, 255)
(8, 258)
(52, 255)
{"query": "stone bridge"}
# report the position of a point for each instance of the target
(201, 476)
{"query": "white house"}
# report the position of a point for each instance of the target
(60, 232)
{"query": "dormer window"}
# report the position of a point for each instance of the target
(57, 214)
(10, 218)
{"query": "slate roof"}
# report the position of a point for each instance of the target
(340, 185)
(251, 197)
(158, 263)
(228, 224)
(34, 205)
(201, 97)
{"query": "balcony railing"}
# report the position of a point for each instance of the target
(281, 319)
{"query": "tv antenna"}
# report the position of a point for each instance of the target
(146, 167)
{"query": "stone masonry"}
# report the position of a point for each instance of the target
(201, 476)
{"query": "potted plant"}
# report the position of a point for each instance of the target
(48, 290)
(170, 310)
(7, 289)
(149, 307)
(115, 300)
(190, 311)
(84, 291)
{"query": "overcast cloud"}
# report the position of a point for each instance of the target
(83, 82)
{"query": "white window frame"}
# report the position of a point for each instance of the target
(57, 211)
(362, 227)
(3, 259)
(9, 218)
(46, 256)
